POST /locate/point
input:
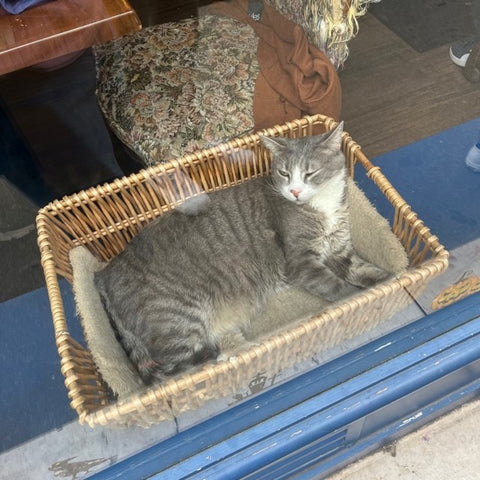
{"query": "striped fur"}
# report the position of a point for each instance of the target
(190, 278)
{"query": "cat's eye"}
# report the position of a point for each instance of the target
(283, 173)
(309, 175)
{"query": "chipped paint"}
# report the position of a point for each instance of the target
(351, 407)
(446, 357)
(265, 449)
(412, 418)
(383, 346)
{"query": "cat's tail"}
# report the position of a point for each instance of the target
(133, 346)
(158, 364)
(149, 369)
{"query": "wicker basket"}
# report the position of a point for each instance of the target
(105, 219)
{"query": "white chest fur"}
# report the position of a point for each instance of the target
(329, 200)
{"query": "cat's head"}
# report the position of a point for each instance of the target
(302, 167)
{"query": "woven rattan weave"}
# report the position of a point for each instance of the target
(106, 218)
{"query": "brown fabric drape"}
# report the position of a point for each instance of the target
(295, 78)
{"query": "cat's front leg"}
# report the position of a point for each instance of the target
(319, 280)
(365, 274)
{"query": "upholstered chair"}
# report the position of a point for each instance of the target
(175, 87)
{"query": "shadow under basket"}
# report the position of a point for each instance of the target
(106, 218)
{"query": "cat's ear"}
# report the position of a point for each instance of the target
(275, 145)
(334, 137)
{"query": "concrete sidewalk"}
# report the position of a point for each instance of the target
(446, 449)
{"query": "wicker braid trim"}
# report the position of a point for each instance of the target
(106, 218)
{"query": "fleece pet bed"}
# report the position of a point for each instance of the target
(371, 237)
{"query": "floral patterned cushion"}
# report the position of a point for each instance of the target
(173, 88)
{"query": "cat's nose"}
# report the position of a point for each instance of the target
(295, 192)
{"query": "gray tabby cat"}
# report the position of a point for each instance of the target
(190, 278)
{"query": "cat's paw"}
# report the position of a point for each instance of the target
(223, 357)
(372, 276)
(233, 353)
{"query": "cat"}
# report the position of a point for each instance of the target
(190, 278)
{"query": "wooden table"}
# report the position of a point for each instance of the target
(60, 28)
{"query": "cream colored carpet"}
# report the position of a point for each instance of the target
(446, 449)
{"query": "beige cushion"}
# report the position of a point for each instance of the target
(372, 238)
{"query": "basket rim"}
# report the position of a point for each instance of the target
(423, 270)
